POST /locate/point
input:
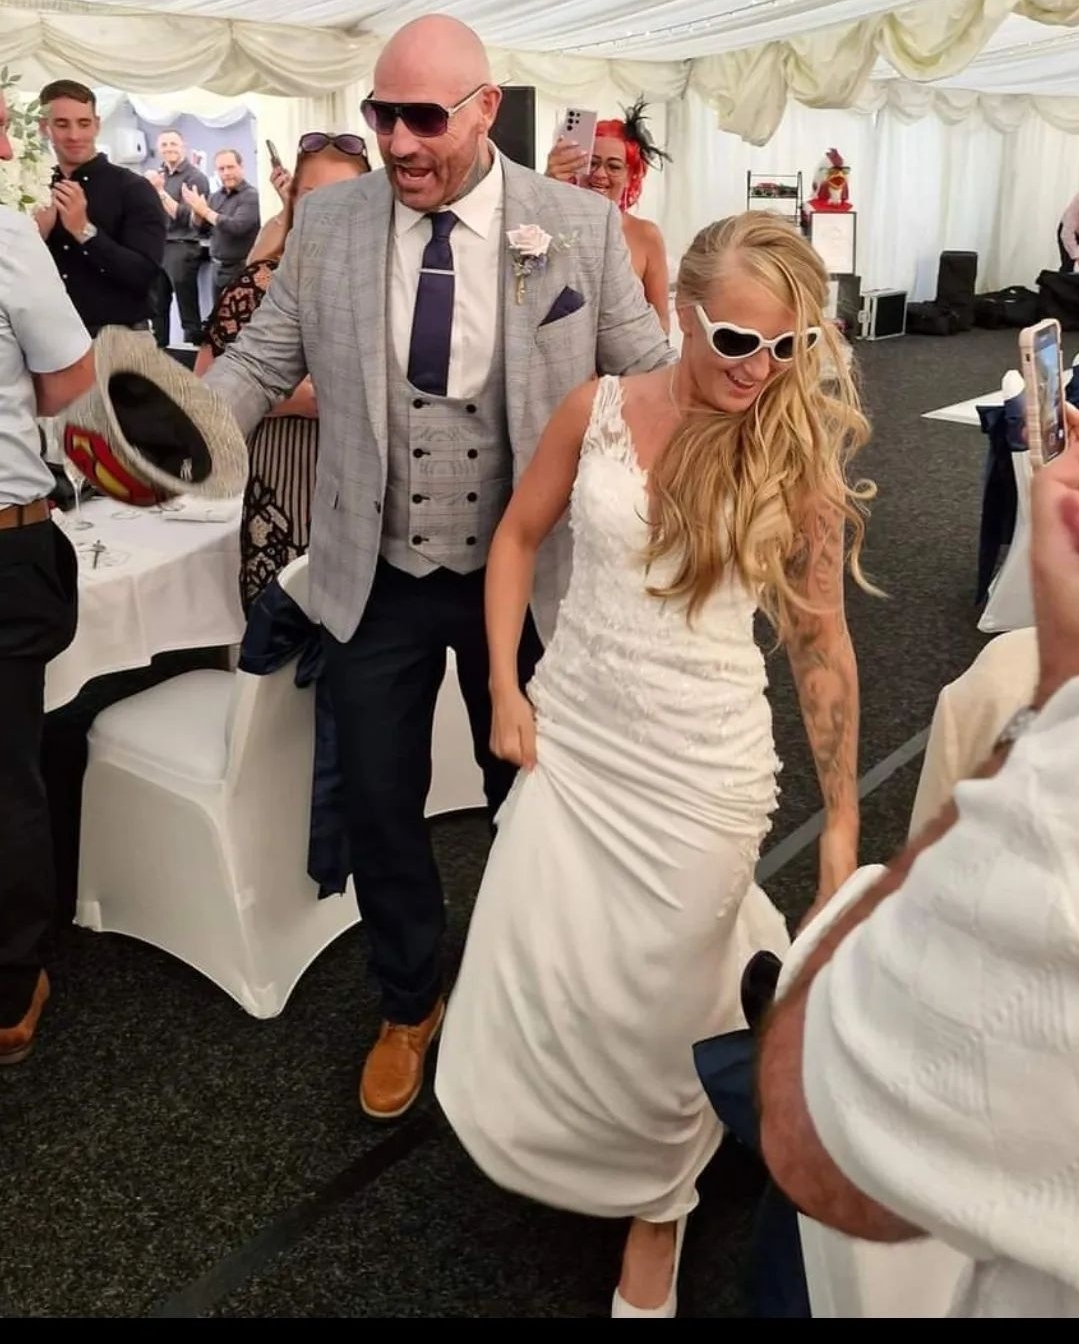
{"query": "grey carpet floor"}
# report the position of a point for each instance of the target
(167, 1155)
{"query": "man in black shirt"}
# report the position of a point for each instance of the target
(104, 228)
(183, 238)
(232, 213)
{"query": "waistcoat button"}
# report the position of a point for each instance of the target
(470, 541)
(417, 541)
(470, 409)
(419, 405)
(417, 452)
(417, 499)
(473, 452)
(472, 496)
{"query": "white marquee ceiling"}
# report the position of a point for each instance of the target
(1022, 56)
(660, 30)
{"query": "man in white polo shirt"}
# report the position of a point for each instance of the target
(45, 363)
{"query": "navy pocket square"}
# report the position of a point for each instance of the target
(567, 302)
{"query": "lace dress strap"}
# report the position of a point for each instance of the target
(607, 432)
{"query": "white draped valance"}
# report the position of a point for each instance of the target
(928, 40)
(1004, 112)
(748, 85)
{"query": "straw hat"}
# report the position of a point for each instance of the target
(150, 429)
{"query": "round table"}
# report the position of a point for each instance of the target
(150, 581)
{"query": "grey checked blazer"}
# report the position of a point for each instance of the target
(325, 313)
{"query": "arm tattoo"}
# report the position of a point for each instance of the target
(822, 660)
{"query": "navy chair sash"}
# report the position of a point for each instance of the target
(1003, 426)
(278, 632)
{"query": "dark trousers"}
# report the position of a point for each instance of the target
(383, 686)
(181, 268)
(38, 610)
(224, 272)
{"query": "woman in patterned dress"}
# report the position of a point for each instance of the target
(284, 448)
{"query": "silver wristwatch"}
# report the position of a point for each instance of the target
(87, 233)
(1016, 726)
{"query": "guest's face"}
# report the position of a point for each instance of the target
(322, 170)
(733, 386)
(430, 171)
(72, 127)
(170, 148)
(607, 174)
(228, 170)
(5, 143)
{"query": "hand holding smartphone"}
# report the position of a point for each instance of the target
(1042, 363)
(577, 125)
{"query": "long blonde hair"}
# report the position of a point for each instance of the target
(740, 489)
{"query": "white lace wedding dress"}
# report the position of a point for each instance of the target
(617, 909)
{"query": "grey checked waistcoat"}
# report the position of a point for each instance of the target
(450, 473)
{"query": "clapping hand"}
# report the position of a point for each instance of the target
(70, 201)
(155, 179)
(567, 162)
(195, 201)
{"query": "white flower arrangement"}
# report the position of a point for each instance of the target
(25, 178)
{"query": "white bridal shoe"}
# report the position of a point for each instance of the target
(621, 1309)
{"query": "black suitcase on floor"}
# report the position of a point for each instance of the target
(1059, 297)
(957, 278)
(930, 319)
(1015, 306)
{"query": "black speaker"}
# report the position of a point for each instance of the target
(514, 131)
(957, 275)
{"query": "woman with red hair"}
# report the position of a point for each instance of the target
(622, 153)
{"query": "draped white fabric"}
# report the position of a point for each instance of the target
(820, 54)
(919, 184)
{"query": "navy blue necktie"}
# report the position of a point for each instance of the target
(432, 318)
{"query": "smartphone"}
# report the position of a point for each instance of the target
(1042, 364)
(579, 125)
(275, 158)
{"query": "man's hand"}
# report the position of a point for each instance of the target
(70, 201)
(45, 219)
(155, 179)
(195, 201)
(1054, 563)
(567, 162)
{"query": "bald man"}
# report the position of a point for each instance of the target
(438, 349)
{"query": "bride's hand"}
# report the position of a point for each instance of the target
(513, 729)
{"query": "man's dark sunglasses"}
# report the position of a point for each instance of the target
(314, 142)
(424, 120)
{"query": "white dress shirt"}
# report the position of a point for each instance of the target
(478, 252)
(40, 332)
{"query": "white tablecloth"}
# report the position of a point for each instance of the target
(966, 412)
(163, 581)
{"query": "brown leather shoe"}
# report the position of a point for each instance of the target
(16, 1042)
(393, 1074)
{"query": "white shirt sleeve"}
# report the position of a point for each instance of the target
(941, 1057)
(42, 317)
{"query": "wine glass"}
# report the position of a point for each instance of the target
(75, 476)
